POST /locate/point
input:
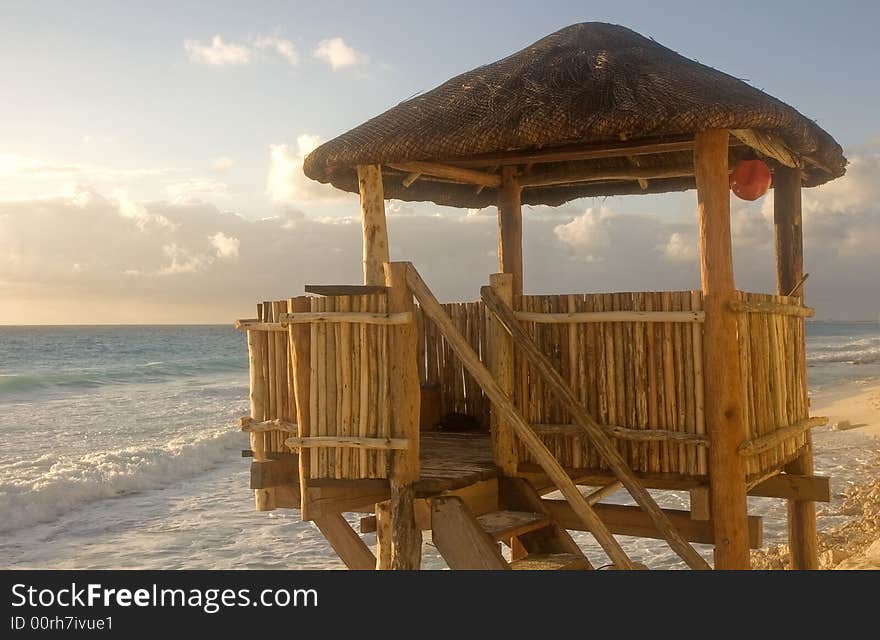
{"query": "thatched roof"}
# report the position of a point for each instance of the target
(587, 84)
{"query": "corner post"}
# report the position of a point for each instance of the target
(789, 271)
(373, 218)
(300, 349)
(725, 418)
(406, 535)
(501, 363)
(510, 258)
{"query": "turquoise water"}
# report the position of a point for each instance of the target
(118, 448)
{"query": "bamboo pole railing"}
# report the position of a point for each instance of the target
(591, 429)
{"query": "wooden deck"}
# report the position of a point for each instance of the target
(453, 460)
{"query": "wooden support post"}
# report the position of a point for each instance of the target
(300, 350)
(406, 536)
(725, 418)
(501, 365)
(383, 536)
(802, 539)
(346, 542)
(264, 498)
(510, 258)
(373, 218)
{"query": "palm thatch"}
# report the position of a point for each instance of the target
(587, 84)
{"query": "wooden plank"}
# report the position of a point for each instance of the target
(346, 542)
(724, 401)
(779, 435)
(503, 525)
(461, 541)
(348, 442)
(502, 403)
(593, 432)
(632, 521)
(375, 230)
(449, 172)
(771, 307)
(345, 289)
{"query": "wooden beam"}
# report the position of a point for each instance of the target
(624, 433)
(346, 542)
(575, 152)
(701, 504)
(767, 144)
(794, 487)
(406, 537)
(410, 178)
(348, 442)
(337, 496)
(771, 307)
(459, 538)
(724, 400)
(501, 362)
(583, 317)
(354, 317)
(503, 404)
(603, 492)
(602, 477)
(632, 521)
(787, 219)
(277, 424)
(768, 441)
(449, 172)
(345, 289)
(565, 175)
(282, 469)
(510, 257)
(374, 226)
(590, 430)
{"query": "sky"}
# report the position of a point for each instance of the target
(151, 154)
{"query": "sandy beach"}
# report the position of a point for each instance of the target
(852, 408)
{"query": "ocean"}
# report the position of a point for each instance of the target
(119, 449)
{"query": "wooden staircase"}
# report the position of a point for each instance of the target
(461, 538)
(474, 542)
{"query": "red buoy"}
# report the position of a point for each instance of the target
(750, 179)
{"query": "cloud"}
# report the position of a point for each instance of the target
(681, 248)
(284, 48)
(337, 54)
(218, 53)
(222, 164)
(196, 189)
(227, 246)
(286, 184)
(88, 256)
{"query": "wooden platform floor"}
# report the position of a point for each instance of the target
(453, 460)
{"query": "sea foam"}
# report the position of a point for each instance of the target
(39, 490)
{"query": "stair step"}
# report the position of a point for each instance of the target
(550, 562)
(503, 525)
